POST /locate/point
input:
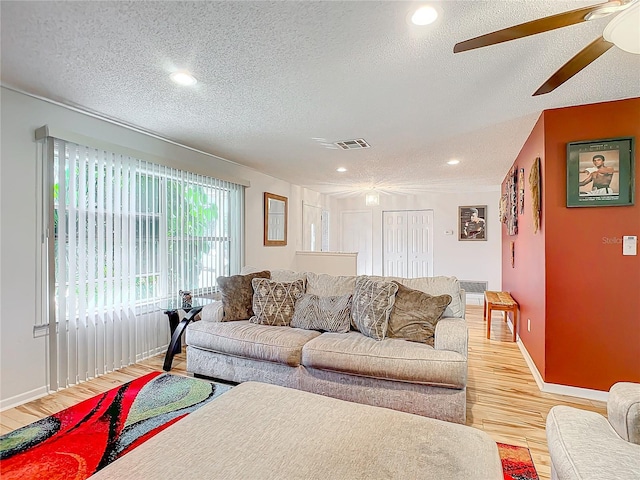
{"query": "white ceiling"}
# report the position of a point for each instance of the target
(274, 75)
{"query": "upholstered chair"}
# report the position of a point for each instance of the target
(584, 445)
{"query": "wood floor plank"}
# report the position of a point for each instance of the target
(502, 396)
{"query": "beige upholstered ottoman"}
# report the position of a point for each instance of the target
(262, 431)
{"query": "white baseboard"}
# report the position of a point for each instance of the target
(557, 388)
(25, 397)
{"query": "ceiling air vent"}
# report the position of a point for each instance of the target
(353, 144)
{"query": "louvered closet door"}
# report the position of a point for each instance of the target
(394, 237)
(419, 243)
(407, 243)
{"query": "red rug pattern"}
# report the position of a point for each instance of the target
(516, 463)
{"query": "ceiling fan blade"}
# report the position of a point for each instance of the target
(583, 58)
(529, 28)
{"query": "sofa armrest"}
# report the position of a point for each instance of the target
(623, 410)
(212, 312)
(451, 334)
(463, 302)
(583, 445)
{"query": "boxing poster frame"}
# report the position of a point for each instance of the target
(464, 217)
(601, 190)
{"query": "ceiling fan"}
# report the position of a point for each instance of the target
(623, 31)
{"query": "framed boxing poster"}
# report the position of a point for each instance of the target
(600, 173)
(472, 222)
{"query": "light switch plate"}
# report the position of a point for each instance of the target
(629, 245)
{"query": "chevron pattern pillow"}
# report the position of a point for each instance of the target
(372, 304)
(274, 302)
(327, 314)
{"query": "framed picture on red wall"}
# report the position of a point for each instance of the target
(472, 222)
(600, 173)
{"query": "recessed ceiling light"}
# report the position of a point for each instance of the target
(453, 162)
(424, 16)
(341, 169)
(183, 78)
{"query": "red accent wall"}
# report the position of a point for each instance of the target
(526, 279)
(591, 312)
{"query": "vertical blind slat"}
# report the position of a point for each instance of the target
(62, 266)
(92, 262)
(82, 268)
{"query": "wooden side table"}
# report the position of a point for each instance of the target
(502, 302)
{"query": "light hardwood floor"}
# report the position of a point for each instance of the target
(502, 396)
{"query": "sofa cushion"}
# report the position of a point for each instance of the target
(273, 302)
(237, 295)
(415, 315)
(245, 339)
(329, 314)
(279, 275)
(371, 307)
(390, 359)
(288, 276)
(325, 285)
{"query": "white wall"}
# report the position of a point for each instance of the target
(22, 357)
(465, 260)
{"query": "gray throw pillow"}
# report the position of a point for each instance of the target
(274, 302)
(371, 307)
(327, 314)
(415, 315)
(237, 295)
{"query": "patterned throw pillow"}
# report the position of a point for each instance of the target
(274, 302)
(415, 315)
(237, 295)
(327, 314)
(372, 304)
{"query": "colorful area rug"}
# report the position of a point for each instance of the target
(516, 463)
(80, 440)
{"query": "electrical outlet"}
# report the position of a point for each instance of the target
(528, 324)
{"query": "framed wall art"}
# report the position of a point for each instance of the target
(472, 222)
(600, 173)
(275, 220)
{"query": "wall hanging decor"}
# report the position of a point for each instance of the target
(521, 191)
(512, 247)
(600, 173)
(512, 201)
(535, 187)
(472, 223)
(502, 209)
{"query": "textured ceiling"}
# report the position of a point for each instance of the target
(275, 75)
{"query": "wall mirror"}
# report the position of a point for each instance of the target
(275, 220)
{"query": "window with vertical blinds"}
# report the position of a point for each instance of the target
(126, 236)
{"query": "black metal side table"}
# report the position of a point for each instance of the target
(177, 326)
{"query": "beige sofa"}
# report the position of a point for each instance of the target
(393, 373)
(584, 445)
